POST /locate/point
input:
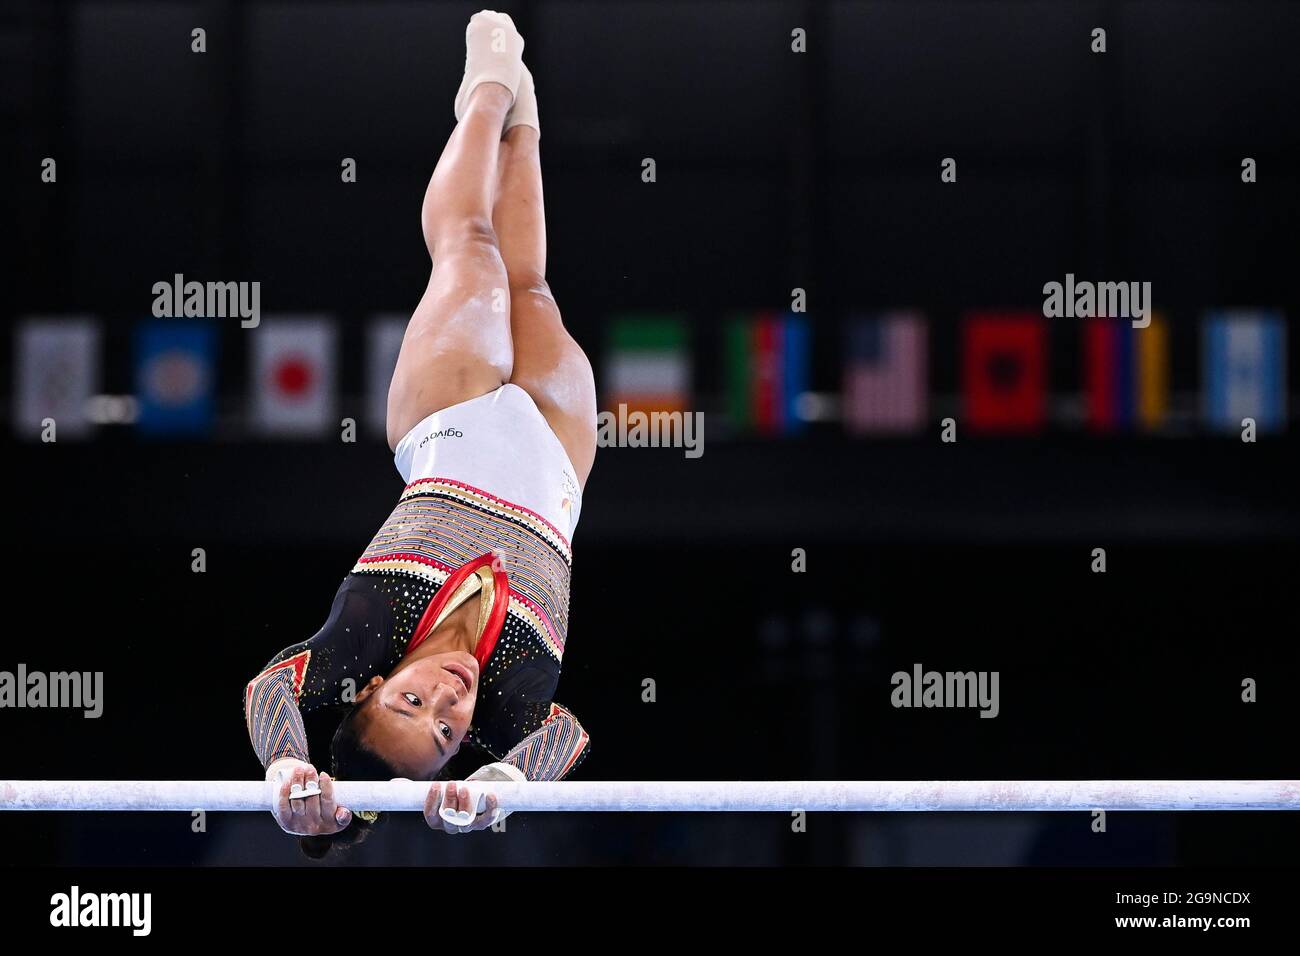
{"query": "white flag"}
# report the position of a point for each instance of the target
(293, 375)
(56, 373)
(383, 342)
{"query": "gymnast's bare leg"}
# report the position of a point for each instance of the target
(457, 345)
(548, 364)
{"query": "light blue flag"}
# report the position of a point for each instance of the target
(1245, 369)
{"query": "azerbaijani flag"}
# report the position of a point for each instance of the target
(1126, 373)
(768, 356)
(647, 367)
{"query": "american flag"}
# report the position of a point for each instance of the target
(885, 378)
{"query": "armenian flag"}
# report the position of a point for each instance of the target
(1126, 373)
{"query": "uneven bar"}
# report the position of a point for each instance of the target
(729, 796)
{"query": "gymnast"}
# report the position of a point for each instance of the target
(450, 628)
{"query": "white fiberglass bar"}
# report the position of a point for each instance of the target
(770, 796)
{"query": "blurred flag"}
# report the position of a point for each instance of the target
(1245, 369)
(293, 375)
(647, 366)
(885, 374)
(1004, 371)
(175, 376)
(767, 371)
(383, 342)
(56, 372)
(1126, 373)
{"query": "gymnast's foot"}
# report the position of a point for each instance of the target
(524, 112)
(493, 54)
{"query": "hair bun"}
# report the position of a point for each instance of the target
(318, 847)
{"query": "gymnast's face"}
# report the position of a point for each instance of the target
(417, 716)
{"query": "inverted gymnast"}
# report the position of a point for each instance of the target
(451, 626)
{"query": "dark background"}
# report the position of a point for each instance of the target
(775, 170)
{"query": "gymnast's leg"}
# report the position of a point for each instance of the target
(548, 364)
(458, 345)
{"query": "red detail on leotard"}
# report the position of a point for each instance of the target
(496, 616)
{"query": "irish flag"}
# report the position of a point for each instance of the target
(647, 366)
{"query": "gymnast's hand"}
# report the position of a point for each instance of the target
(313, 816)
(472, 807)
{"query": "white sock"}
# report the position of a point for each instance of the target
(524, 112)
(493, 54)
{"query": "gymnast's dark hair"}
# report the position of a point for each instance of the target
(350, 759)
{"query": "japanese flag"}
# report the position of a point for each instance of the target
(293, 376)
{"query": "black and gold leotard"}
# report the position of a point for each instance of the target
(438, 526)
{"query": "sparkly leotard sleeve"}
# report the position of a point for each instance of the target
(553, 749)
(326, 670)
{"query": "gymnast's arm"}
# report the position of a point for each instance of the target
(276, 730)
(346, 647)
(274, 722)
(548, 753)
